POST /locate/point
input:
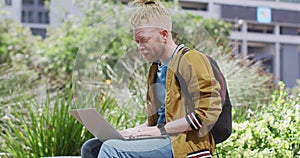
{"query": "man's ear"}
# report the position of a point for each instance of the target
(165, 34)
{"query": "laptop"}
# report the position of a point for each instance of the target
(99, 126)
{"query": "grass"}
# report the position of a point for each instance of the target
(45, 130)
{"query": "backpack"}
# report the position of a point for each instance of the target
(222, 129)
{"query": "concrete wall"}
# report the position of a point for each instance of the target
(11, 12)
(290, 64)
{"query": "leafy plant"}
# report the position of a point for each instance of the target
(273, 130)
(296, 89)
(15, 48)
(46, 130)
(248, 86)
(17, 85)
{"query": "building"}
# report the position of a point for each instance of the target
(267, 30)
(36, 14)
(31, 13)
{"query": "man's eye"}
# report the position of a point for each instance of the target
(145, 40)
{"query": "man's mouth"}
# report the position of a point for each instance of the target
(144, 54)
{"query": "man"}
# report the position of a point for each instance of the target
(186, 128)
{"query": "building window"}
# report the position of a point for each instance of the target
(40, 16)
(27, 2)
(262, 54)
(30, 17)
(291, 1)
(42, 2)
(39, 32)
(27, 16)
(8, 2)
(194, 5)
(47, 17)
(43, 17)
(258, 28)
(23, 16)
(285, 30)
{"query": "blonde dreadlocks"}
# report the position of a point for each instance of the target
(150, 13)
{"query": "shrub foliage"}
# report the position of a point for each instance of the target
(44, 130)
(272, 131)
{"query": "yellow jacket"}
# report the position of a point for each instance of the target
(204, 88)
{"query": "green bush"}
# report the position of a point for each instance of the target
(17, 56)
(296, 89)
(272, 131)
(17, 44)
(47, 129)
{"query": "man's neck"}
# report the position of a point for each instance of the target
(169, 50)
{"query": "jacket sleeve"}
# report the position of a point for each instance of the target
(203, 88)
(152, 101)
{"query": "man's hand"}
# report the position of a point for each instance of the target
(140, 131)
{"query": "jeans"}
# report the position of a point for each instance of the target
(90, 148)
(114, 148)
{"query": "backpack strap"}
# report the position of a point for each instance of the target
(219, 77)
(185, 50)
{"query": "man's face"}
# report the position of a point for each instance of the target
(150, 43)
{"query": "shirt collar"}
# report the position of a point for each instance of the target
(178, 48)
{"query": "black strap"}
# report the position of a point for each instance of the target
(181, 55)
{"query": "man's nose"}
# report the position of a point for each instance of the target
(141, 47)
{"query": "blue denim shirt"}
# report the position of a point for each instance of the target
(161, 91)
(161, 86)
